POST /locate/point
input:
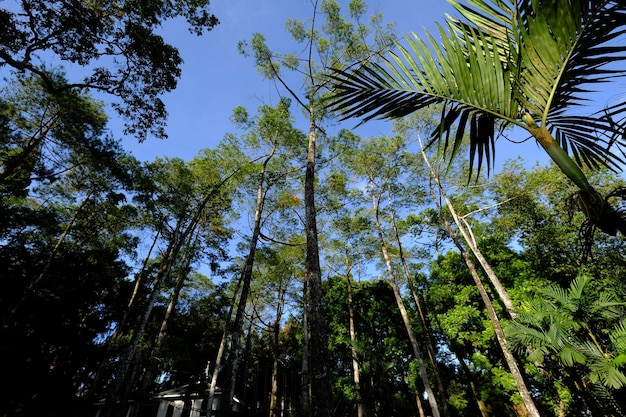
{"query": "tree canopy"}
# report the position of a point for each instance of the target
(298, 268)
(115, 42)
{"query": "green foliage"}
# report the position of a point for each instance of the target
(64, 249)
(77, 216)
(479, 59)
(579, 328)
(382, 346)
(47, 134)
(88, 34)
(502, 65)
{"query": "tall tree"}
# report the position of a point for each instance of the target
(349, 250)
(404, 314)
(65, 242)
(116, 44)
(510, 63)
(264, 188)
(331, 44)
(380, 163)
(183, 201)
(273, 132)
(511, 362)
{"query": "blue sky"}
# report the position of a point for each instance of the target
(216, 78)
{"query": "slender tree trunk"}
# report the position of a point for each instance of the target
(465, 232)
(120, 329)
(275, 409)
(356, 377)
(151, 366)
(318, 342)
(403, 312)
(138, 282)
(274, 403)
(562, 409)
(482, 407)
(426, 329)
(125, 374)
(221, 350)
(246, 276)
(216, 367)
(162, 275)
(61, 239)
(420, 407)
(528, 402)
(305, 395)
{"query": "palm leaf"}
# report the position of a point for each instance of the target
(618, 337)
(570, 355)
(606, 400)
(503, 61)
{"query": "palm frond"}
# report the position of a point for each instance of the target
(593, 48)
(502, 60)
(602, 368)
(618, 338)
(570, 355)
(371, 93)
(588, 140)
(606, 400)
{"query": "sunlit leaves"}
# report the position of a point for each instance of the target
(502, 61)
(114, 42)
(578, 329)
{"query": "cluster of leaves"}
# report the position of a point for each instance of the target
(115, 42)
(568, 328)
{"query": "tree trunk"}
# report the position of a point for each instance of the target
(465, 232)
(318, 342)
(246, 277)
(356, 377)
(426, 329)
(216, 366)
(420, 407)
(305, 395)
(405, 316)
(138, 283)
(528, 402)
(275, 409)
(120, 329)
(124, 375)
(221, 350)
(151, 366)
(61, 239)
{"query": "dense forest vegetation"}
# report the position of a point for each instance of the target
(297, 269)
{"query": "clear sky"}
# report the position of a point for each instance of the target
(216, 78)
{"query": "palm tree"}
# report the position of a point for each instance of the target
(524, 63)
